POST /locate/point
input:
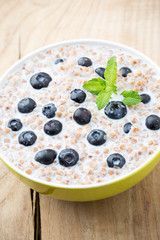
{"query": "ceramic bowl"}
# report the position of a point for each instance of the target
(94, 191)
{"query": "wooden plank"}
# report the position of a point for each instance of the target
(16, 215)
(131, 215)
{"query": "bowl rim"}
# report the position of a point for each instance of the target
(113, 44)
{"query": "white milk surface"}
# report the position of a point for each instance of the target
(138, 146)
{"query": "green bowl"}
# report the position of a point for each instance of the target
(85, 192)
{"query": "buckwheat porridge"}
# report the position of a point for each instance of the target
(51, 128)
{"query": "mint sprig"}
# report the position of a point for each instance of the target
(104, 88)
(131, 97)
(95, 85)
(103, 98)
(110, 73)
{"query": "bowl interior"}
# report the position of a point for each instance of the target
(88, 42)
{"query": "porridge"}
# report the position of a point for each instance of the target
(50, 125)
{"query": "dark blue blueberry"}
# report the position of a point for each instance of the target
(100, 71)
(68, 157)
(49, 110)
(53, 127)
(26, 105)
(40, 80)
(59, 60)
(15, 124)
(27, 138)
(115, 110)
(153, 122)
(84, 61)
(145, 98)
(82, 116)
(116, 160)
(97, 137)
(125, 71)
(78, 95)
(46, 156)
(127, 127)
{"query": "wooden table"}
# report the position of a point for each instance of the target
(26, 25)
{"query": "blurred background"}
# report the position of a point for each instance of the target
(27, 25)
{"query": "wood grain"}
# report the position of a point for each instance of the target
(28, 25)
(16, 212)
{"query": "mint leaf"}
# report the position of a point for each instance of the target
(103, 98)
(101, 81)
(95, 85)
(104, 89)
(111, 88)
(131, 97)
(110, 72)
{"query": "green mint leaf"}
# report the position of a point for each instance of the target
(95, 85)
(104, 89)
(95, 92)
(111, 88)
(131, 97)
(110, 72)
(101, 81)
(103, 98)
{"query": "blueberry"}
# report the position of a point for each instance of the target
(40, 80)
(68, 157)
(84, 61)
(49, 110)
(145, 98)
(53, 127)
(78, 95)
(153, 122)
(27, 138)
(125, 71)
(82, 116)
(15, 124)
(26, 105)
(100, 71)
(97, 137)
(59, 60)
(127, 127)
(46, 156)
(116, 160)
(115, 110)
